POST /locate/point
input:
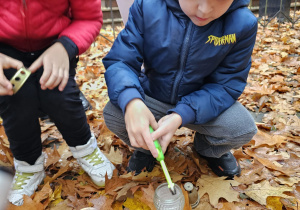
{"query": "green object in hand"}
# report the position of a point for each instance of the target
(161, 158)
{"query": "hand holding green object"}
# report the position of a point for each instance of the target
(161, 158)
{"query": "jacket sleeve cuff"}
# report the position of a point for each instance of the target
(126, 96)
(186, 113)
(69, 45)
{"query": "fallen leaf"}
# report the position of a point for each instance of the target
(52, 156)
(102, 202)
(76, 203)
(28, 204)
(59, 173)
(56, 196)
(250, 205)
(290, 181)
(287, 166)
(274, 203)
(264, 138)
(217, 187)
(64, 153)
(113, 183)
(124, 189)
(115, 155)
(62, 205)
(228, 206)
(135, 202)
(68, 186)
(204, 204)
(147, 197)
(145, 175)
(261, 191)
(175, 176)
(43, 194)
(251, 172)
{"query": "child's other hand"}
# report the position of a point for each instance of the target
(56, 67)
(167, 127)
(137, 119)
(7, 62)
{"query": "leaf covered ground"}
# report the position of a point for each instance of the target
(270, 162)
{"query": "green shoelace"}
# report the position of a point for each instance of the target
(20, 180)
(94, 158)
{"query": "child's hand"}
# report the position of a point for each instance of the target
(7, 62)
(137, 119)
(56, 67)
(167, 126)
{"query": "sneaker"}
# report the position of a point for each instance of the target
(226, 165)
(139, 161)
(93, 161)
(26, 179)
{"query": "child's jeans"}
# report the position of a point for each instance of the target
(232, 129)
(20, 111)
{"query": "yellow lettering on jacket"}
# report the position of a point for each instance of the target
(227, 39)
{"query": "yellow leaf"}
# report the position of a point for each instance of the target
(259, 192)
(273, 203)
(54, 203)
(135, 203)
(56, 196)
(81, 171)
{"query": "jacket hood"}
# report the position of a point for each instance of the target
(237, 4)
(175, 7)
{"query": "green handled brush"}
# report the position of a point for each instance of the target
(161, 158)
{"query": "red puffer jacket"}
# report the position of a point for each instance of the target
(31, 25)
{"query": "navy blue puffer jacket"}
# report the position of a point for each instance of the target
(201, 70)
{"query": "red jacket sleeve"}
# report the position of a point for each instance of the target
(87, 19)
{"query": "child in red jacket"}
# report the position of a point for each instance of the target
(46, 36)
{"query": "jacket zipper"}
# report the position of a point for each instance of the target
(183, 57)
(25, 16)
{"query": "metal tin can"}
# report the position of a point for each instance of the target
(194, 198)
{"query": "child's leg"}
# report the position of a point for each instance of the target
(20, 112)
(214, 140)
(66, 110)
(20, 120)
(232, 129)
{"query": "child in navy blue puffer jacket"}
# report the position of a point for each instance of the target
(197, 56)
